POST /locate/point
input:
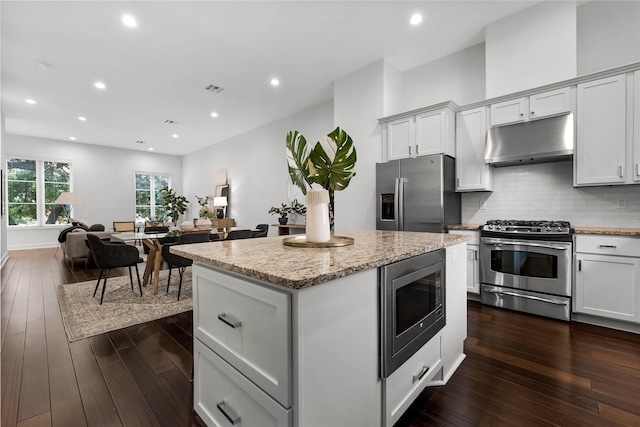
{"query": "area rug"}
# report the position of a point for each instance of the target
(83, 316)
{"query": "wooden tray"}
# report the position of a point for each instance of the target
(301, 242)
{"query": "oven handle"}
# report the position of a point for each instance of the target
(531, 297)
(547, 245)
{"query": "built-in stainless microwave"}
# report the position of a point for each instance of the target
(412, 307)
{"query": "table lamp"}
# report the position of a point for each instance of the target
(68, 198)
(220, 202)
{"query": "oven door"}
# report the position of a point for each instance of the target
(531, 265)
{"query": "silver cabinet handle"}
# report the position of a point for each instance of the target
(228, 413)
(621, 171)
(475, 254)
(579, 265)
(409, 150)
(608, 246)
(533, 112)
(637, 169)
(422, 373)
(417, 151)
(229, 320)
(521, 114)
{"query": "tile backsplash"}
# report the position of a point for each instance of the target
(545, 191)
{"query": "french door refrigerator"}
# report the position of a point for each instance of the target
(417, 194)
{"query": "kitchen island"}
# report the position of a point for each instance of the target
(290, 336)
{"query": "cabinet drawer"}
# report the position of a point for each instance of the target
(405, 384)
(248, 325)
(222, 394)
(608, 245)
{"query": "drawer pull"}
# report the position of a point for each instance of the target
(229, 320)
(608, 246)
(228, 413)
(422, 373)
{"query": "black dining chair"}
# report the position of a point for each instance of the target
(263, 230)
(238, 234)
(108, 255)
(176, 260)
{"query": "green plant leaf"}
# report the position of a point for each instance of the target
(298, 160)
(333, 161)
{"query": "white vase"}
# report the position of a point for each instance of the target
(187, 226)
(317, 228)
(203, 224)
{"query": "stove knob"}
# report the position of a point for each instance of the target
(547, 228)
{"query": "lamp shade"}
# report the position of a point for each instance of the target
(68, 198)
(220, 201)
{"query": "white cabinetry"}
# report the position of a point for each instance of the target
(600, 153)
(473, 263)
(607, 277)
(533, 107)
(636, 127)
(472, 173)
(421, 134)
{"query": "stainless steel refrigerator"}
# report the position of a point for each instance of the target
(417, 194)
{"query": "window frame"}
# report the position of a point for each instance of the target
(40, 191)
(153, 205)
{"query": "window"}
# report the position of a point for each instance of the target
(148, 197)
(32, 189)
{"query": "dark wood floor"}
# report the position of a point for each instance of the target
(520, 370)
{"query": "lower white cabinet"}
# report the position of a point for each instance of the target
(403, 386)
(473, 263)
(234, 400)
(607, 277)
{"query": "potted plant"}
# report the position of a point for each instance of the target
(283, 211)
(203, 222)
(331, 163)
(173, 204)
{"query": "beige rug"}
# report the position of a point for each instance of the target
(83, 316)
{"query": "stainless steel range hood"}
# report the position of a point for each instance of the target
(537, 141)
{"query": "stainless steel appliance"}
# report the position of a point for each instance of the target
(417, 194)
(526, 266)
(412, 307)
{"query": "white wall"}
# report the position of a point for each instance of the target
(608, 35)
(545, 191)
(532, 48)
(256, 167)
(459, 78)
(103, 178)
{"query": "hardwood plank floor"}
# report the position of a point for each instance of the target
(520, 370)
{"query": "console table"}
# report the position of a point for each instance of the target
(285, 230)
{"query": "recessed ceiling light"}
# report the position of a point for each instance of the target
(175, 135)
(214, 114)
(82, 119)
(100, 85)
(150, 148)
(73, 138)
(415, 19)
(129, 21)
(275, 82)
(30, 101)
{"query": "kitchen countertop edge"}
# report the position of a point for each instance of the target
(608, 231)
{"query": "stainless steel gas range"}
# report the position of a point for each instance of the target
(526, 266)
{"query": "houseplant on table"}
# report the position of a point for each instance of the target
(331, 163)
(283, 211)
(173, 204)
(204, 221)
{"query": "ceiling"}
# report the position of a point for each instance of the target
(54, 51)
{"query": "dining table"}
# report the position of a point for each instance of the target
(154, 258)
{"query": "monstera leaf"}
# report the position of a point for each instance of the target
(333, 161)
(298, 160)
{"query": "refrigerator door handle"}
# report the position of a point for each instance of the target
(399, 203)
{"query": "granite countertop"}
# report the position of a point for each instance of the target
(464, 227)
(610, 231)
(268, 259)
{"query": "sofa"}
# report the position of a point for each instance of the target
(74, 244)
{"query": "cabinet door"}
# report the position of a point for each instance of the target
(549, 103)
(608, 286)
(511, 111)
(472, 173)
(400, 138)
(636, 127)
(430, 133)
(473, 269)
(599, 156)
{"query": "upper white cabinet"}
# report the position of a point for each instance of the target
(472, 173)
(421, 134)
(600, 152)
(532, 107)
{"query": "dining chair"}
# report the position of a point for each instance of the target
(263, 230)
(124, 226)
(238, 234)
(176, 260)
(108, 255)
